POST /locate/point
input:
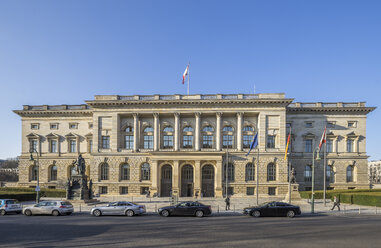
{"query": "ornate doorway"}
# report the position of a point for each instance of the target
(207, 186)
(166, 181)
(187, 181)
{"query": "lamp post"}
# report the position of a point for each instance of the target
(37, 163)
(313, 177)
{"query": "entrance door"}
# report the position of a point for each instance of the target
(207, 187)
(187, 181)
(166, 181)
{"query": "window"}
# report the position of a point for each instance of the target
(145, 172)
(248, 129)
(309, 124)
(105, 142)
(208, 129)
(227, 141)
(148, 138)
(53, 146)
(125, 172)
(168, 137)
(352, 124)
(331, 124)
(188, 137)
(207, 172)
(53, 173)
(168, 129)
(247, 139)
(288, 125)
(207, 141)
(103, 190)
(329, 174)
(188, 129)
(90, 145)
(271, 172)
(129, 141)
(34, 126)
(33, 145)
(270, 141)
(104, 171)
(91, 125)
(349, 145)
(230, 191)
(329, 144)
(34, 173)
(54, 126)
(129, 129)
(123, 190)
(349, 174)
(144, 190)
(72, 146)
(249, 172)
(307, 173)
(73, 125)
(308, 145)
(272, 190)
(227, 129)
(148, 129)
(230, 172)
(250, 191)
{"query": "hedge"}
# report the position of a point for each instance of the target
(61, 193)
(21, 196)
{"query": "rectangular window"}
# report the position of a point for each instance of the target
(247, 139)
(329, 144)
(309, 124)
(270, 141)
(106, 142)
(123, 190)
(308, 145)
(90, 125)
(148, 142)
(34, 126)
(207, 141)
(144, 190)
(168, 141)
(129, 142)
(288, 125)
(272, 190)
(352, 124)
(187, 141)
(53, 146)
(250, 191)
(73, 125)
(227, 141)
(72, 146)
(33, 145)
(103, 190)
(54, 126)
(349, 145)
(90, 145)
(331, 124)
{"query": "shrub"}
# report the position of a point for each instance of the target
(44, 192)
(20, 196)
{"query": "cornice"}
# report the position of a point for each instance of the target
(365, 110)
(48, 113)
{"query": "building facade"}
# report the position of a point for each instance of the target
(178, 144)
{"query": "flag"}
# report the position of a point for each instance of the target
(288, 142)
(185, 73)
(254, 144)
(323, 138)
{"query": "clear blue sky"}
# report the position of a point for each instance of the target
(64, 52)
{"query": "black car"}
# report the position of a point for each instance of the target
(273, 209)
(186, 209)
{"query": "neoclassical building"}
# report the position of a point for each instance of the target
(178, 144)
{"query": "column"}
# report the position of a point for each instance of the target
(218, 131)
(177, 127)
(154, 176)
(218, 179)
(197, 177)
(96, 131)
(239, 131)
(156, 131)
(356, 145)
(114, 133)
(136, 132)
(175, 178)
(197, 132)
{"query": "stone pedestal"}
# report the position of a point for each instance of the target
(77, 188)
(295, 196)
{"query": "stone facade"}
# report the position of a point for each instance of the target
(183, 141)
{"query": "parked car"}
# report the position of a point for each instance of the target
(119, 208)
(273, 209)
(186, 209)
(9, 206)
(54, 208)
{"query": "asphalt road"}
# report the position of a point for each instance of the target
(82, 230)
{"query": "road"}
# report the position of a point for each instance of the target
(82, 230)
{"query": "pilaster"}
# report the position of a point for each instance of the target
(136, 132)
(218, 131)
(239, 131)
(156, 131)
(177, 127)
(197, 132)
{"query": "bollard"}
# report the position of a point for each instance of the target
(80, 208)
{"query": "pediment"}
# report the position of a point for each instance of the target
(33, 135)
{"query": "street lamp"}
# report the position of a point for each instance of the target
(317, 150)
(37, 163)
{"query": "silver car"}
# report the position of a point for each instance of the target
(119, 208)
(50, 207)
(9, 206)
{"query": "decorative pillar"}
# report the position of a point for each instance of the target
(115, 133)
(197, 177)
(175, 177)
(197, 132)
(218, 179)
(136, 132)
(154, 176)
(177, 127)
(218, 131)
(156, 131)
(239, 131)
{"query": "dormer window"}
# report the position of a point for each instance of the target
(35, 126)
(73, 125)
(309, 124)
(352, 124)
(331, 124)
(53, 125)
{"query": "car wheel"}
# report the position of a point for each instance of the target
(97, 213)
(130, 213)
(290, 214)
(28, 212)
(2, 212)
(199, 213)
(256, 213)
(55, 213)
(165, 213)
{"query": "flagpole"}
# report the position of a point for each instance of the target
(188, 76)
(325, 169)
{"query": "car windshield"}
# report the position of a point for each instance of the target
(11, 202)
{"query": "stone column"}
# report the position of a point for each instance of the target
(156, 131)
(114, 133)
(356, 145)
(175, 177)
(239, 131)
(218, 179)
(154, 176)
(177, 127)
(197, 177)
(218, 131)
(136, 132)
(197, 132)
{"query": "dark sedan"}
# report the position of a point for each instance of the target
(186, 209)
(273, 209)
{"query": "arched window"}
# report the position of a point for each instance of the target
(129, 138)
(227, 137)
(248, 136)
(53, 173)
(104, 171)
(145, 172)
(125, 172)
(166, 172)
(307, 173)
(230, 172)
(271, 172)
(349, 174)
(188, 137)
(330, 174)
(207, 137)
(34, 173)
(168, 137)
(148, 138)
(249, 172)
(129, 129)
(207, 172)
